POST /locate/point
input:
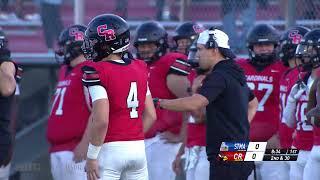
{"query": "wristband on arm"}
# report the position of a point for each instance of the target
(93, 151)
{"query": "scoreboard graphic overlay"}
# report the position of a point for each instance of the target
(254, 151)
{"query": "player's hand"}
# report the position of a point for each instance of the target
(169, 137)
(290, 109)
(296, 91)
(80, 152)
(176, 165)
(92, 169)
(314, 116)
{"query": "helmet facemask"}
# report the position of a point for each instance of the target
(182, 44)
(153, 53)
(262, 59)
(309, 54)
(68, 52)
(287, 52)
(59, 55)
(193, 59)
(147, 51)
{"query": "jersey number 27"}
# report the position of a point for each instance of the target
(261, 87)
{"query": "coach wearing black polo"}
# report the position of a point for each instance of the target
(229, 103)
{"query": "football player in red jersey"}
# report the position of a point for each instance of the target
(122, 104)
(193, 148)
(70, 110)
(296, 107)
(309, 50)
(263, 72)
(167, 79)
(184, 35)
(8, 87)
(289, 40)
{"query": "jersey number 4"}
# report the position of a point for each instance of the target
(132, 100)
(261, 87)
(59, 94)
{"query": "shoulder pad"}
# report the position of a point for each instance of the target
(180, 67)
(90, 76)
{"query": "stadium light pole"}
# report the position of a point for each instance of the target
(291, 13)
(79, 11)
(182, 10)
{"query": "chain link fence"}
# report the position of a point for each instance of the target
(26, 20)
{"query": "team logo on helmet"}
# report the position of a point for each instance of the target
(78, 35)
(295, 36)
(197, 29)
(108, 34)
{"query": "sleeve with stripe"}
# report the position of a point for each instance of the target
(90, 76)
(180, 67)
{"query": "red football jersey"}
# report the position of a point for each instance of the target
(265, 85)
(196, 132)
(316, 138)
(126, 86)
(69, 114)
(303, 139)
(287, 80)
(158, 72)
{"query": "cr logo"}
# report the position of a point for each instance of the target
(295, 37)
(108, 34)
(78, 35)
